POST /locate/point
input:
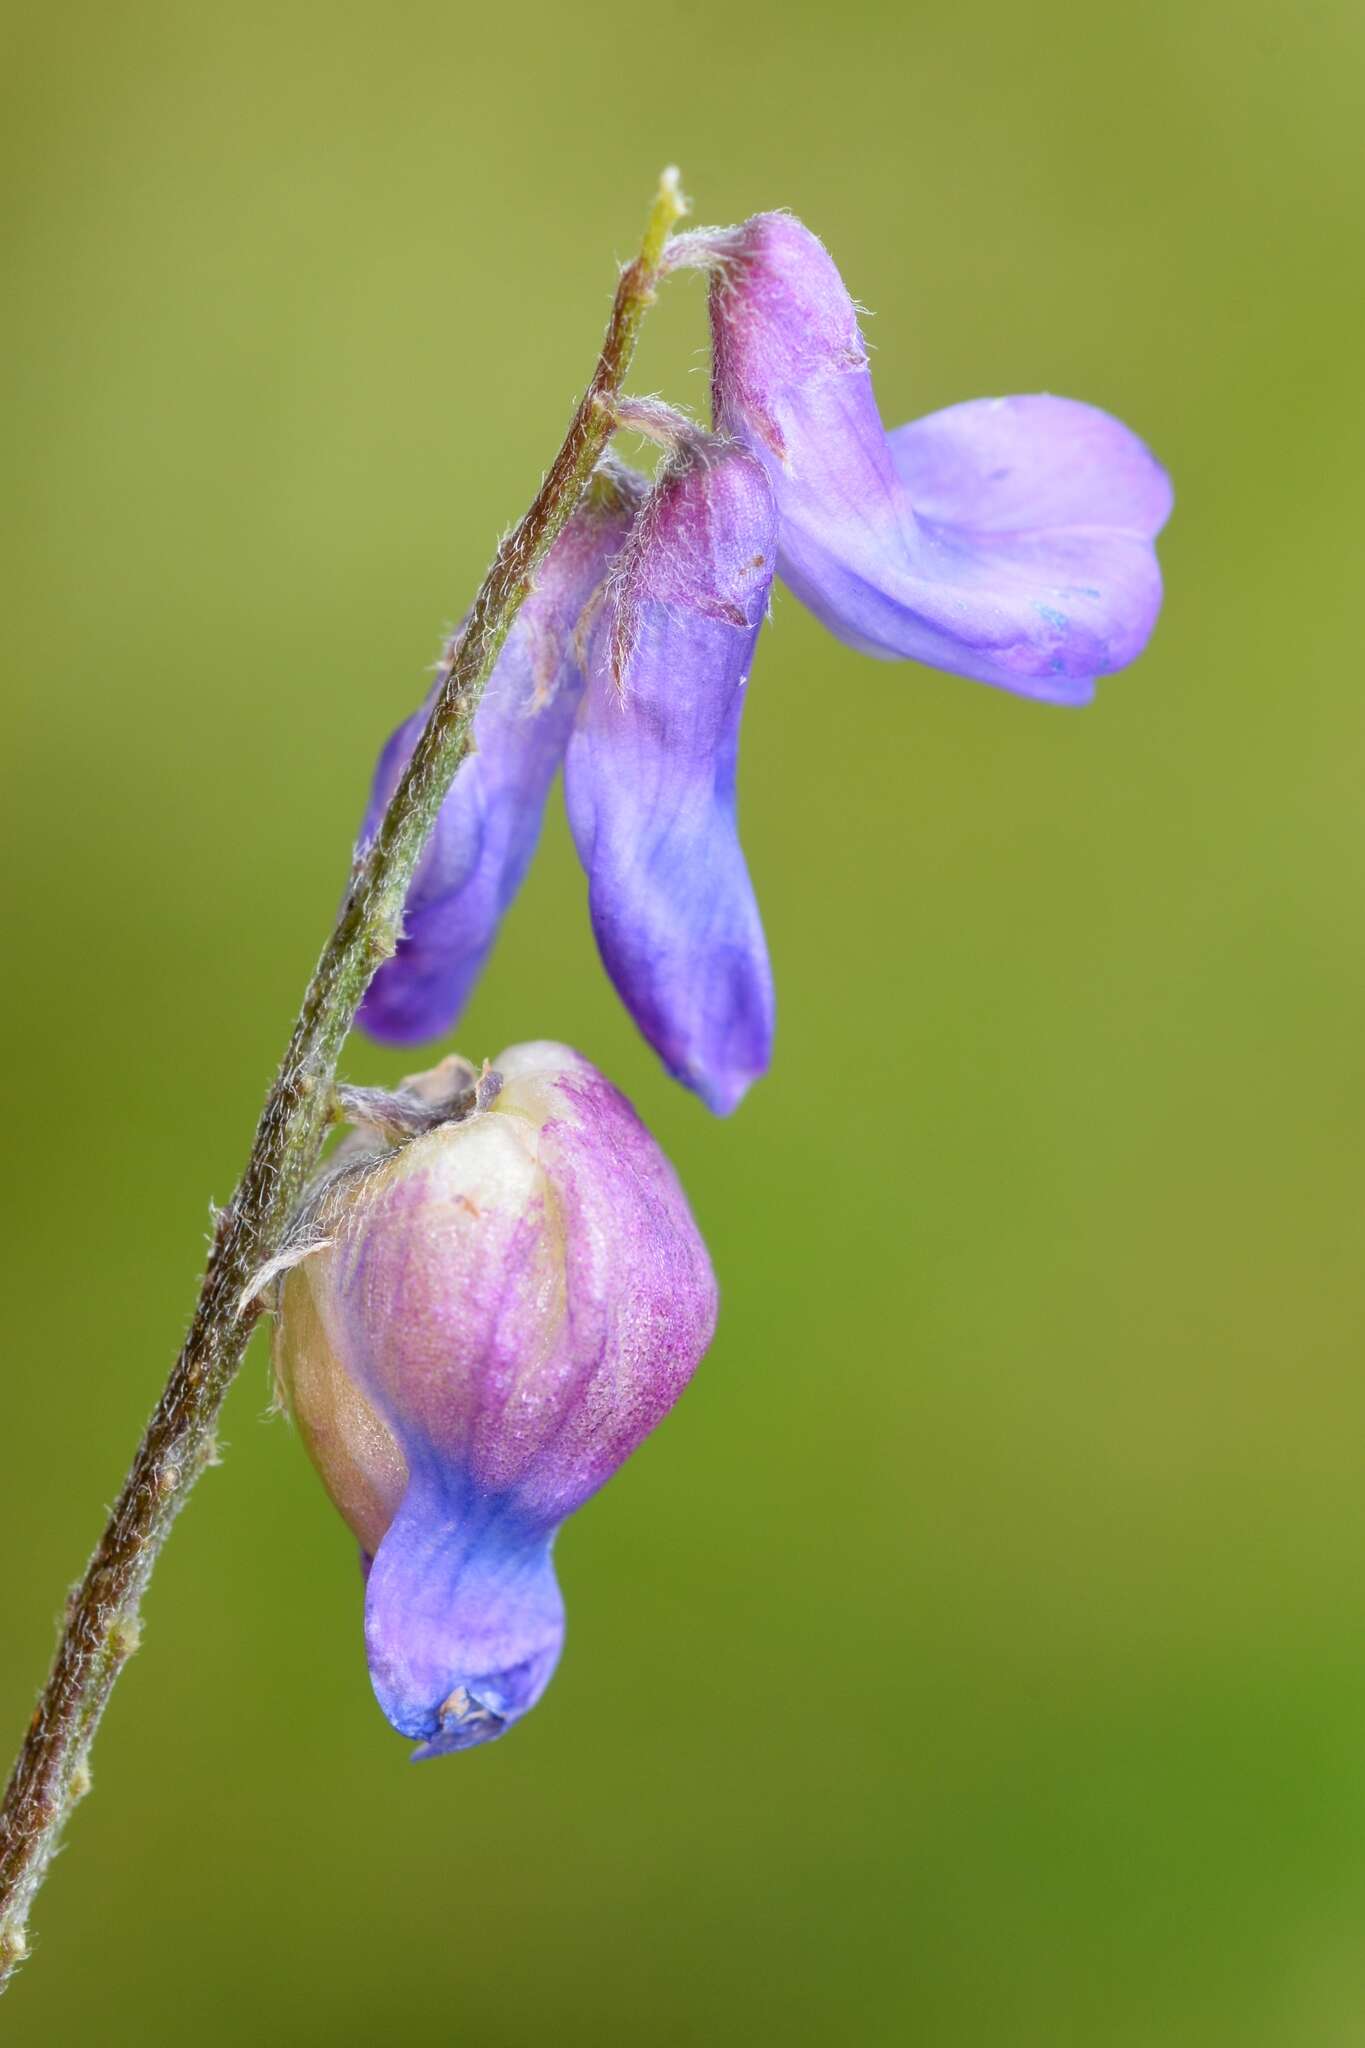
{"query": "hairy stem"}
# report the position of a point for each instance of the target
(101, 1626)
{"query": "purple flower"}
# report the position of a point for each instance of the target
(488, 826)
(649, 778)
(496, 1313)
(1006, 539)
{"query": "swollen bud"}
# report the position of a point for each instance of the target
(501, 1302)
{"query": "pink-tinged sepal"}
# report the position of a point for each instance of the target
(1009, 540)
(650, 771)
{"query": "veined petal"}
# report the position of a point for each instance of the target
(1028, 465)
(650, 772)
(1008, 540)
(464, 1620)
(619, 1210)
(1034, 523)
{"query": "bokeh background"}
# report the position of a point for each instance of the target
(978, 1654)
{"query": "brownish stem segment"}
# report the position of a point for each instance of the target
(101, 1628)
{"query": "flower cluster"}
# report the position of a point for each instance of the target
(496, 1289)
(1009, 540)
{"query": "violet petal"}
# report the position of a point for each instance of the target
(489, 824)
(1008, 540)
(650, 773)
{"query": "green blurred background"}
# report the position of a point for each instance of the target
(978, 1655)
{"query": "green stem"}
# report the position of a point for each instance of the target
(101, 1626)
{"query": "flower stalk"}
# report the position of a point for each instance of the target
(102, 1617)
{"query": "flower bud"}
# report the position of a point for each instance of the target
(487, 828)
(495, 1313)
(649, 777)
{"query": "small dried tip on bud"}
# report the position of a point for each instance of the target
(464, 1722)
(510, 1301)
